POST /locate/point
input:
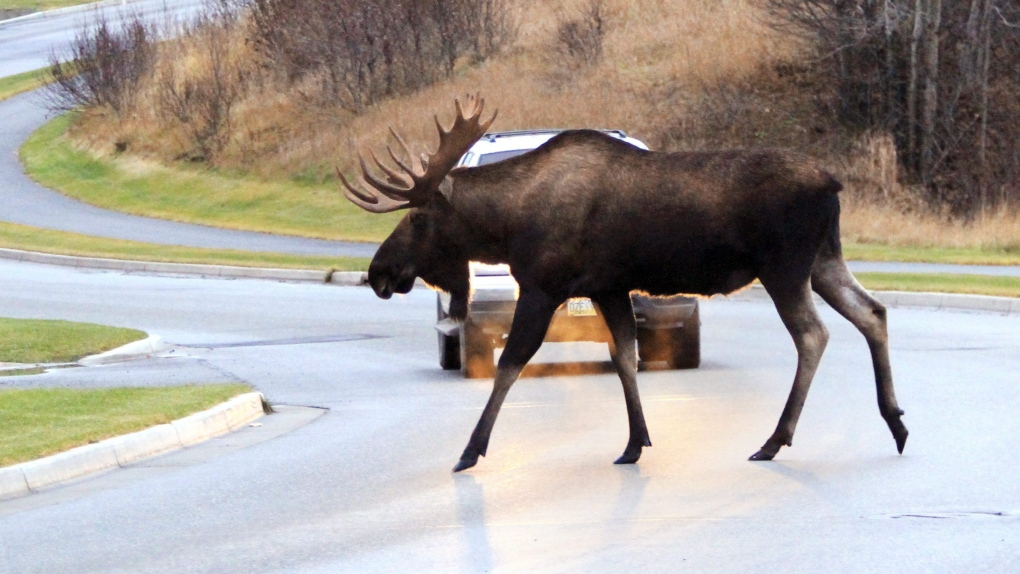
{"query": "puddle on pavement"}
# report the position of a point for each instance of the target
(947, 515)
(280, 342)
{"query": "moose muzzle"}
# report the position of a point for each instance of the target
(386, 281)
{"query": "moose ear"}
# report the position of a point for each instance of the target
(446, 188)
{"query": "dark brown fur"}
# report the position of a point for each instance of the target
(589, 215)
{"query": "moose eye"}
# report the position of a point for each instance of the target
(418, 220)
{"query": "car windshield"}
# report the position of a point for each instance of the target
(488, 158)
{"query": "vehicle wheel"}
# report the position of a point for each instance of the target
(476, 349)
(679, 348)
(449, 346)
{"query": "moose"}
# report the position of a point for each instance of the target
(588, 215)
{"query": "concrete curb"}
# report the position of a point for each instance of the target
(29, 477)
(150, 345)
(986, 303)
(225, 271)
(937, 301)
(348, 278)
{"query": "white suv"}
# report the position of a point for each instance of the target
(505, 145)
(669, 330)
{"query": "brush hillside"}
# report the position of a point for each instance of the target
(288, 89)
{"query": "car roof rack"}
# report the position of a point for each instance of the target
(491, 137)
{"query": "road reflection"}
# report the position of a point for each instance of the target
(477, 553)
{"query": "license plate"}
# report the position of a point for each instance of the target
(580, 307)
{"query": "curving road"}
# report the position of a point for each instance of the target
(26, 44)
(26, 202)
(367, 487)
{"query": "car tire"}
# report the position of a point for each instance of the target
(476, 349)
(449, 345)
(679, 348)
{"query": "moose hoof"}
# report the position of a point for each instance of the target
(899, 432)
(464, 464)
(628, 457)
(762, 455)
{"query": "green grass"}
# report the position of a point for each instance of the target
(195, 194)
(27, 238)
(871, 252)
(40, 422)
(42, 341)
(944, 283)
(11, 86)
(36, 5)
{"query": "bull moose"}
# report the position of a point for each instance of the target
(587, 215)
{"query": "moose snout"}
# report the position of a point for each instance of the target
(386, 280)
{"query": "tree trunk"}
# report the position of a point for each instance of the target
(931, 75)
(986, 56)
(912, 122)
(971, 46)
(889, 92)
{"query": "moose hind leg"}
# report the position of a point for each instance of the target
(810, 336)
(619, 315)
(531, 321)
(831, 279)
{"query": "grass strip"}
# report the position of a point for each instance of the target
(959, 256)
(37, 5)
(40, 422)
(942, 283)
(11, 86)
(45, 341)
(14, 236)
(194, 194)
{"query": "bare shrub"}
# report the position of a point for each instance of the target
(202, 101)
(934, 74)
(495, 27)
(352, 53)
(104, 65)
(579, 38)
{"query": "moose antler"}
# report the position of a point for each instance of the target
(418, 178)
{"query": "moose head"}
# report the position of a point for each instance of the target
(428, 242)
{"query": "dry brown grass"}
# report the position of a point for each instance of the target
(873, 222)
(652, 47)
(878, 209)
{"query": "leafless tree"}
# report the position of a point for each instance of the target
(580, 36)
(934, 74)
(202, 101)
(354, 52)
(103, 65)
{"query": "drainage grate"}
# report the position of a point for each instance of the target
(290, 341)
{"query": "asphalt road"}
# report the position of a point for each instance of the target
(28, 203)
(367, 486)
(27, 43)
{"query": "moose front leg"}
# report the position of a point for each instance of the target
(531, 322)
(618, 312)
